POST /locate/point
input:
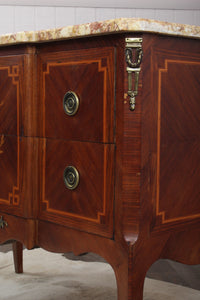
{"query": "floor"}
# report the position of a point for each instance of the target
(165, 270)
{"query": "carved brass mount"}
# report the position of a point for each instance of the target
(2, 223)
(133, 66)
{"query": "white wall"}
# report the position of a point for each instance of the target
(17, 17)
(169, 4)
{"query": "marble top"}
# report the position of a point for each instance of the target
(104, 27)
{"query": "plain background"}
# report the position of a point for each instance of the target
(26, 15)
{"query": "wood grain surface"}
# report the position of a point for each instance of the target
(90, 205)
(89, 74)
(138, 195)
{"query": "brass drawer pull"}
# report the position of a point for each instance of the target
(71, 177)
(2, 223)
(70, 103)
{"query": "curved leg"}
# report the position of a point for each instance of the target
(136, 279)
(129, 261)
(18, 256)
(130, 281)
(130, 278)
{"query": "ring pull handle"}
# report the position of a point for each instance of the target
(3, 223)
(71, 177)
(70, 103)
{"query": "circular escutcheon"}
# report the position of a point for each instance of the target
(70, 103)
(71, 177)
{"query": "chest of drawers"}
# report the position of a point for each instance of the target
(100, 149)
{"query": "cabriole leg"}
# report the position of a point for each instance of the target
(18, 256)
(130, 279)
(130, 282)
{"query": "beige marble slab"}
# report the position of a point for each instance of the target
(104, 27)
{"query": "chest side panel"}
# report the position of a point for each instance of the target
(178, 138)
(174, 141)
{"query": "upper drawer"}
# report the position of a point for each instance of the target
(87, 114)
(11, 77)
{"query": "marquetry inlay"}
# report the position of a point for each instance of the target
(63, 213)
(101, 68)
(13, 196)
(161, 73)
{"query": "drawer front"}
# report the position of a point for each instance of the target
(10, 163)
(18, 158)
(88, 205)
(77, 94)
(11, 74)
(15, 228)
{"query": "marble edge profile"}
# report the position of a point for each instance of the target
(103, 27)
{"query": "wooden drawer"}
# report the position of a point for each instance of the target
(10, 164)
(89, 206)
(90, 75)
(18, 158)
(15, 228)
(11, 81)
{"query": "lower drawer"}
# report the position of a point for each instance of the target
(19, 229)
(77, 185)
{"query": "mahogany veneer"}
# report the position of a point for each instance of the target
(138, 197)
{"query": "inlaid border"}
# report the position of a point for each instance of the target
(54, 211)
(100, 69)
(159, 213)
(13, 197)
